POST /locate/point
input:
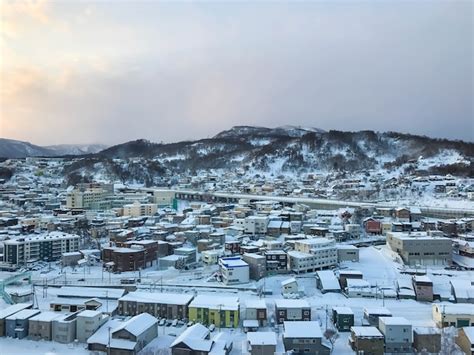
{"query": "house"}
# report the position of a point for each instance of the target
(195, 340)
(257, 265)
(211, 257)
(453, 315)
(423, 288)
(160, 305)
(398, 334)
(372, 315)
(289, 286)
(7, 312)
(343, 318)
(17, 325)
(234, 270)
(344, 275)
(256, 309)
(124, 337)
(261, 343)
(304, 337)
(64, 328)
(87, 322)
(290, 309)
(462, 290)
(465, 340)
(41, 326)
(366, 340)
(427, 338)
(326, 281)
(405, 289)
(372, 226)
(222, 311)
(358, 288)
(74, 304)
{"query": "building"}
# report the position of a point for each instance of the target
(300, 337)
(222, 311)
(427, 339)
(465, 340)
(462, 290)
(50, 246)
(347, 253)
(124, 259)
(343, 318)
(7, 312)
(424, 248)
(256, 309)
(160, 305)
(302, 262)
(89, 196)
(276, 261)
(366, 340)
(256, 225)
(292, 310)
(41, 326)
(423, 287)
(257, 265)
(64, 328)
(324, 250)
(137, 209)
(372, 315)
(453, 315)
(124, 337)
(261, 343)
(289, 286)
(233, 270)
(398, 334)
(17, 325)
(326, 281)
(87, 322)
(195, 340)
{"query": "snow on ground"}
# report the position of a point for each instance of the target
(31, 347)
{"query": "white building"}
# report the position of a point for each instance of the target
(256, 225)
(234, 270)
(323, 249)
(87, 322)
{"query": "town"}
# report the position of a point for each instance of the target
(224, 262)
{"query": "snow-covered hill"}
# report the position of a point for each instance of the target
(10, 148)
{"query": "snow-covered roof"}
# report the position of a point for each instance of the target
(366, 331)
(394, 321)
(24, 314)
(343, 310)
(46, 316)
(469, 331)
(288, 281)
(289, 303)
(155, 297)
(302, 329)
(195, 338)
(230, 303)
(137, 324)
(377, 311)
(458, 308)
(89, 292)
(255, 303)
(262, 338)
(328, 280)
(88, 313)
(13, 309)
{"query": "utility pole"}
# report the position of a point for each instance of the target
(108, 344)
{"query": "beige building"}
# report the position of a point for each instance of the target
(455, 315)
(164, 197)
(138, 209)
(424, 248)
(88, 196)
(465, 340)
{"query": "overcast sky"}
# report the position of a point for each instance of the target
(113, 71)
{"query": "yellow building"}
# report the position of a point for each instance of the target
(453, 315)
(221, 311)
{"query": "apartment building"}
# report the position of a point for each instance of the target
(424, 248)
(324, 251)
(222, 311)
(87, 322)
(398, 334)
(89, 196)
(44, 247)
(137, 209)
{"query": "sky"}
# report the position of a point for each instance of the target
(113, 71)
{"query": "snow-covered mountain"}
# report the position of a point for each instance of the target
(282, 150)
(10, 148)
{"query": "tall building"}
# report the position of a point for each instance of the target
(44, 247)
(89, 196)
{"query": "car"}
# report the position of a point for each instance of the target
(162, 322)
(175, 323)
(169, 322)
(212, 327)
(190, 323)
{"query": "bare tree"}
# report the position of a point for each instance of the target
(331, 335)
